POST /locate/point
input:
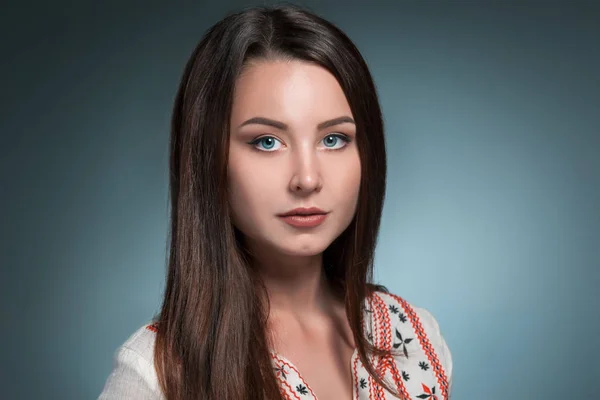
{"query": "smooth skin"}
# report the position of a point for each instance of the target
(300, 152)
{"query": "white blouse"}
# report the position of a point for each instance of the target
(422, 370)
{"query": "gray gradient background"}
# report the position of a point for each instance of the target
(491, 219)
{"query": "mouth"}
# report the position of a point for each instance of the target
(304, 220)
(311, 211)
(304, 217)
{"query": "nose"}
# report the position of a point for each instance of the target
(306, 176)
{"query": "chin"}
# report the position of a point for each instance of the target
(300, 248)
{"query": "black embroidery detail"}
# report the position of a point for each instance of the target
(363, 383)
(405, 376)
(281, 370)
(429, 393)
(402, 342)
(302, 389)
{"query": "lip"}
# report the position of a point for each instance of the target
(304, 221)
(303, 211)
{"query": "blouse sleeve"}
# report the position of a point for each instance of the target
(448, 364)
(432, 328)
(130, 378)
(442, 347)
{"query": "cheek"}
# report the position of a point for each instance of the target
(344, 185)
(249, 194)
(352, 187)
(349, 179)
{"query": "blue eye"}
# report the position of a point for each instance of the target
(267, 141)
(337, 138)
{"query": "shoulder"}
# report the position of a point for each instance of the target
(416, 323)
(133, 371)
(141, 342)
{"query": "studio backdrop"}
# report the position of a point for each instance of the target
(491, 219)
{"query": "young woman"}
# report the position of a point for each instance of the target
(278, 172)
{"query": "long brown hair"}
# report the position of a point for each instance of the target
(211, 341)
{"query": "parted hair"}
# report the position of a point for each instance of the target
(211, 341)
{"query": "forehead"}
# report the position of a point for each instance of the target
(292, 91)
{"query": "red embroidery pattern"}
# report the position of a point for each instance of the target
(427, 347)
(355, 373)
(373, 392)
(371, 382)
(384, 339)
(393, 368)
(388, 363)
(379, 393)
(284, 382)
(429, 393)
(381, 325)
(152, 327)
(383, 319)
(289, 390)
(290, 366)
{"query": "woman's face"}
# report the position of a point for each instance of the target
(295, 161)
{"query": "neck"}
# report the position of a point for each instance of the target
(300, 297)
(296, 286)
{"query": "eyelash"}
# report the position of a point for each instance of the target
(345, 138)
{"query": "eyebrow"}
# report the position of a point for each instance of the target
(283, 127)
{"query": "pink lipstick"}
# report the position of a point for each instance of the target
(304, 217)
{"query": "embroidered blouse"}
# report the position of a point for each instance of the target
(421, 367)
